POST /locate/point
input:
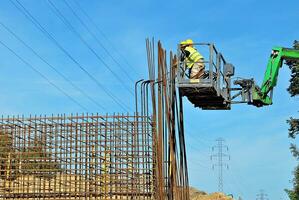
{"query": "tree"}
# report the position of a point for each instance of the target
(294, 81)
(293, 89)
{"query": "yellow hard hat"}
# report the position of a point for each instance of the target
(183, 43)
(189, 42)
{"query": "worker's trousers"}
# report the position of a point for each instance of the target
(197, 70)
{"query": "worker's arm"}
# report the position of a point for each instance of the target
(184, 54)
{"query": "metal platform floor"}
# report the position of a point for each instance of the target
(204, 96)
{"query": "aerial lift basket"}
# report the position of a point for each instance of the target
(210, 92)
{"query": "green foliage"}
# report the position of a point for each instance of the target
(295, 151)
(294, 193)
(296, 182)
(293, 132)
(293, 89)
(294, 127)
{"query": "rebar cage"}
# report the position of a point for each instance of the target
(76, 157)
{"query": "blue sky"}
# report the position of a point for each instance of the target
(244, 31)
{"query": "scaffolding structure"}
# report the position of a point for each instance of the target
(76, 157)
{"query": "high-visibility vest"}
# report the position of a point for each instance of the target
(194, 56)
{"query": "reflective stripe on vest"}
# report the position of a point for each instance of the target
(194, 56)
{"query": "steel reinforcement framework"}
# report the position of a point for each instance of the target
(142, 156)
(76, 157)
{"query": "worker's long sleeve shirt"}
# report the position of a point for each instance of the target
(184, 54)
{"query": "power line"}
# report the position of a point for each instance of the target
(236, 184)
(198, 163)
(34, 21)
(42, 75)
(98, 41)
(57, 12)
(104, 35)
(51, 66)
(220, 161)
(200, 153)
(44, 31)
(197, 138)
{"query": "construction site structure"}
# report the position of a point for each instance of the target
(122, 156)
(92, 156)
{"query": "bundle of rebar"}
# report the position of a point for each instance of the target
(170, 162)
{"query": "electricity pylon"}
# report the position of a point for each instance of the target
(262, 195)
(220, 156)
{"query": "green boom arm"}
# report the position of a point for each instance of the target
(260, 96)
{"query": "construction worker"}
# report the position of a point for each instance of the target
(194, 60)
